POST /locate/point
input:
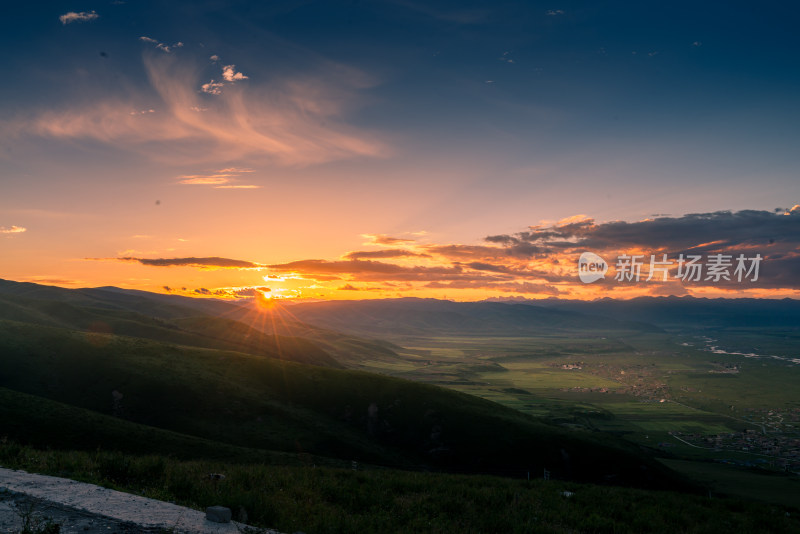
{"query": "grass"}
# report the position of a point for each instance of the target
(741, 482)
(327, 501)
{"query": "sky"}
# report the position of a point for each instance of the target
(372, 149)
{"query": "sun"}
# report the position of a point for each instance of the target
(265, 301)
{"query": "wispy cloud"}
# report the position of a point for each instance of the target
(205, 179)
(12, 230)
(159, 45)
(83, 16)
(383, 239)
(221, 179)
(298, 123)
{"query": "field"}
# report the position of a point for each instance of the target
(653, 389)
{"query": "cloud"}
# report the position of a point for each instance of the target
(775, 235)
(542, 259)
(382, 239)
(212, 87)
(249, 292)
(221, 179)
(12, 230)
(159, 45)
(83, 16)
(202, 263)
(712, 231)
(205, 179)
(290, 122)
(229, 74)
(554, 12)
(351, 287)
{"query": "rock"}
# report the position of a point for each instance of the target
(218, 514)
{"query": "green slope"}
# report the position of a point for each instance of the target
(264, 403)
(192, 330)
(196, 322)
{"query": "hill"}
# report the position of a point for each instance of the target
(393, 318)
(264, 403)
(686, 312)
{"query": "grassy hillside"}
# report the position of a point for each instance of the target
(263, 403)
(209, 323)
(192, 330)
(47, 424)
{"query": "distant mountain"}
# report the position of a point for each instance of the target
(392, 318)
(687, 312)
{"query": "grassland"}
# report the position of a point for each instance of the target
(341, 501)
(644, 387)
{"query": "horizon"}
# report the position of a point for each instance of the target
(499, 300)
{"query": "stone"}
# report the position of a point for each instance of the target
(218, 514)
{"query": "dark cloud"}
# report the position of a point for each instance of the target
(249, 292)
(351, 287)
(775, 235)
(712, 231)
(221, 263)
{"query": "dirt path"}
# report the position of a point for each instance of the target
(86, 508)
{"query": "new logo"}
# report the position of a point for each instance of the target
(591, 267)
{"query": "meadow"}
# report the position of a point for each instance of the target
(326, 500)
(641, 386)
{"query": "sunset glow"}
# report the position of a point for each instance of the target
(252, 146)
